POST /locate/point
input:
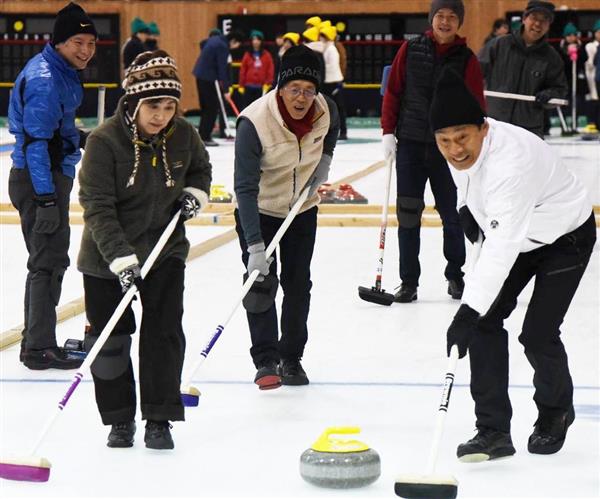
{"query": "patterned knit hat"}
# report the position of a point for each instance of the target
(152, 75)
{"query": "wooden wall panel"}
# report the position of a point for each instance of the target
(184, 23)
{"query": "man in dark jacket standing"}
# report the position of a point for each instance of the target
(404, 120)
(525, 63)
(41, 116)
(211, 66)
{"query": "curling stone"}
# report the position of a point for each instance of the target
(340, 464)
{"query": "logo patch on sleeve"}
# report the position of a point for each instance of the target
(494, 224)
(317, 139)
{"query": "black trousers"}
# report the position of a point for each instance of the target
(251, 94)
(417, 162)
(336, 92)
(295, 252)
(161, 346)
(557, 269)
(48, 257)
(209, 104)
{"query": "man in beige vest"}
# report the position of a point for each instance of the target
(284, 142)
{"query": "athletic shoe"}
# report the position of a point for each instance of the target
(210, 143)
(292, 373)
(48, 358)
(550, 432)
(406, 294)
(121, 435)
(267, 376)
(158, 435)
(487, 444)
(343, 136)
(456, 288)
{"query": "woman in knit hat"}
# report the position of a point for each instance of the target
(256, 70)
(140, 166)
(284, 143)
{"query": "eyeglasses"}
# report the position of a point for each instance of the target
(295, 92)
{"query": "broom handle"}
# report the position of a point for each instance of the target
(248, 284)
(384, 218)
(442, 411)
(530, 98)
(220, 96)
(123, 304)
(449, 379)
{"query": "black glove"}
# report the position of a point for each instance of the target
(130, 276)
(469, 225)
(543, 97)
(192, 201)
(47, 216)
(461, 330)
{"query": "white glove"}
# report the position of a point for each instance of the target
(257, 260)
(388, 142)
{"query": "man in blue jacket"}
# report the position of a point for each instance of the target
(41, 116)
(213, 65)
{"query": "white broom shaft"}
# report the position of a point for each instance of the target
(218, 89)
(449, 380)
(529, 98)
(101, 101)
(123, 304)
(250, 281)
(384, 217)
(442, 411)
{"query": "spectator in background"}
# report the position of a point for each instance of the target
(523, 62)
(256, 70)
(152, 42)
(135, 45)
(572, 42)
(41, 116)
(593, 75)
(407, 136)
(289, 40)
(333, 85)
(499, 28)
(341, 49)
(310, 38)
(212, 66)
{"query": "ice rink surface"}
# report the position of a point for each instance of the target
(379, 368)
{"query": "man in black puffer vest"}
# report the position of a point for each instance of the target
(407, 136)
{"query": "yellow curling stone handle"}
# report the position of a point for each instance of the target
(325, 443)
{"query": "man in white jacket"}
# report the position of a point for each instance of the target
(537, 222)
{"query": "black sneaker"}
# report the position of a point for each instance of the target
(487, 444)
(343, 136)
(158, 435)
(456, 288)
(121, 434)
(210, 143)
(550, 432)
(406, 294)
(54, 357)
(267, 376)
(292, 373)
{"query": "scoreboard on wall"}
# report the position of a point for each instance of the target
(23, 35)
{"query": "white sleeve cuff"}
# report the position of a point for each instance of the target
(121, 263)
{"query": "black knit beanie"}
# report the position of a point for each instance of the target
(453, 103)
(455, 6)
(70, 21)
(299, 63)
